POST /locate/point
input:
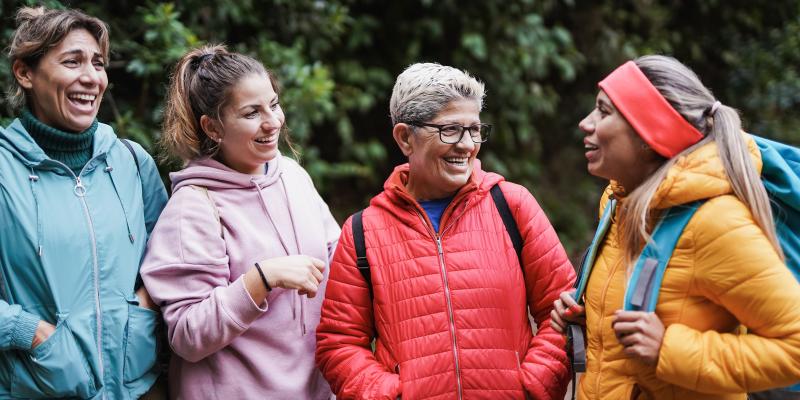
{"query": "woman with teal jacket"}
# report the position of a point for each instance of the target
(76, 205)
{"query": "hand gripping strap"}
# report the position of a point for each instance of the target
(648, 273)
(576, 338)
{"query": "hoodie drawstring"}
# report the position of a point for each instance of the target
(299, 251)
(257, 188)
(108, 170)
(33, 178)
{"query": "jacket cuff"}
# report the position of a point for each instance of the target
(24, 330)
(680, 356)
(389, 388)
(239, 305)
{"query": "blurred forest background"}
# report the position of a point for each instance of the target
(540, 60)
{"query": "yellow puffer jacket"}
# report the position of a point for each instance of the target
(723, 275)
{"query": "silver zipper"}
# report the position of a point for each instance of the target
(449, 303)
(80, 192)
(450, 314)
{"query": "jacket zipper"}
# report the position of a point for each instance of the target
(519, 370)
(449, 313)
(606, 285)
(80, 192)
(438, 239)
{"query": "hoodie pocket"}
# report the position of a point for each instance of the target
(55, 368)
(141, 338)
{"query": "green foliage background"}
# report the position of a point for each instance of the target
(540, 60)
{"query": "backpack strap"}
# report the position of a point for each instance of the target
(508, 220)
(576, 350)
(139, 282)
(502, 208)
(127, 144)
(213, 205)
(585, 268)
(576, 336)
(361, 251)
(648, 272)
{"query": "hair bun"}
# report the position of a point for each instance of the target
(27, 14)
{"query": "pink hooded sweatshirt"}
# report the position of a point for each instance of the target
(226, 346)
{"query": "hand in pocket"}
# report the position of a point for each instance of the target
(43, 332)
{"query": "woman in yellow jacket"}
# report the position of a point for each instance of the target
(727, 320)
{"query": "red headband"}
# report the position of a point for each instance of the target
(649, 113)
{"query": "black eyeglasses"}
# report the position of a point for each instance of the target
(452, 133)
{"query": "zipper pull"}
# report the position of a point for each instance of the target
(79, 189)
(439, 245)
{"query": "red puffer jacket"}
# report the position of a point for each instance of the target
(450, 310)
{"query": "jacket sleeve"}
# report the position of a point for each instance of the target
(154, 196)
(346, 329)
(17, 326)
(186, 272)
(548, 272)
(737, 268)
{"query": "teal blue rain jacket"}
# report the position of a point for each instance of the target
(70, 248)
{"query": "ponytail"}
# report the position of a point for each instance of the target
(200, 85)
(719, 123)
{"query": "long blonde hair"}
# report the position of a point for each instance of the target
(687, 95)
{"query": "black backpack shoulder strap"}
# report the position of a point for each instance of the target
(508, 220)
(139, 283)
(127, 144)
(361, 251)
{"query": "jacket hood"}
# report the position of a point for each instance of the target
(19, 142)
(212, 174)
(699, 175)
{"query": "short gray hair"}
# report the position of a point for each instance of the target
(424, 89)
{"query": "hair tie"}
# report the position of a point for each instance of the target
(714, 108)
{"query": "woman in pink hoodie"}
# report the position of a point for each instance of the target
(238, 260)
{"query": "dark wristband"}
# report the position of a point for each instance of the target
(263, 278)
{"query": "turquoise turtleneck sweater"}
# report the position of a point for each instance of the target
(72, 149)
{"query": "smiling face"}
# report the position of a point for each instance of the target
(250, 127)
(438, 170)
(66, 86)
(614, 150)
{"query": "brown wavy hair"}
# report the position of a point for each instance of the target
(39, 30)
(200, 85)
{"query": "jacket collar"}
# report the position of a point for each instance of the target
(699, 175)
(395, 195)
(16, 139)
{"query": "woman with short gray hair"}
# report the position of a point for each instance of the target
(443, 266)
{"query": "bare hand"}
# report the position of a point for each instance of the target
(566, 310)
(43, 331)
(144, 299)
(300, 272)
(641, 333)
